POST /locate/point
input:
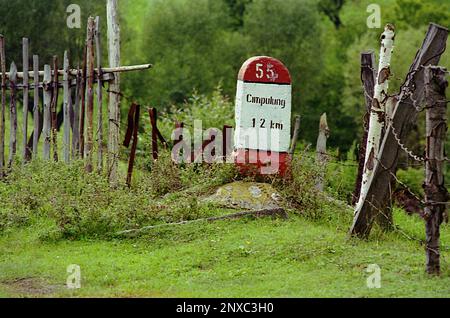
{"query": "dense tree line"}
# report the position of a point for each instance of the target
(198, 45)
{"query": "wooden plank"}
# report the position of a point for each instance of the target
(36, 119)
(53, 109)
(114, 87)
(26, 64)
(47, 113)
(368, 77)
(3, 106)
(90, 95)
(99, 96)
(66, 106)
(404, 115)
(434, 185)
(107, 72)
(12, 116)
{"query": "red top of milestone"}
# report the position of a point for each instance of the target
(264, 69)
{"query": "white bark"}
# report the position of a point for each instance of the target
(114, 97)
(377, 114)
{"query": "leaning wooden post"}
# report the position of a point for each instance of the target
(321, 149)
(368, 78)
(53, 106)
(295, 135)
(135, 113)
(3, 106)
(404, 114)
(377, 112)
(99, 96)
(66, 105)
(13, 115)
(435, 190)
(26, 64)
(114, 88)
(47, 113)
(90, 95)
(36, 122)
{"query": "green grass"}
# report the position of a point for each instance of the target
(247, 258)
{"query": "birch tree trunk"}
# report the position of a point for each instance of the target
(377, 113)
(114, 87)
(3, 106)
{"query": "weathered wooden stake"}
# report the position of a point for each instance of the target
(36, 118)
(3, 106)
(404, 115)
(13, 116)
(434, 185)
(295, 135)
(321, 149)
(76, 119)
(83, 101)
(66, 109)
(114, 87)
(47, 113)
(153, 116)
(90, 95)
(99, 96)
(26, 64)
(132, 134)
(53, 109)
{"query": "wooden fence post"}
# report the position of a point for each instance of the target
(321, 149)
(53, 109)
(368, 77)
(76, 118)
(13, 115)
(47, 114)
(99, 96)
(83, 101)
(36, 122)
(434, 185)
(295, 135)
(404, 114)
(114, 88)
(66, 110)
(3, 106)
(26, 64)
(90, 95)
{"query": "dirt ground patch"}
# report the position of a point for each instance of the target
(29, 287)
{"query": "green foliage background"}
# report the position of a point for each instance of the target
(198, 45)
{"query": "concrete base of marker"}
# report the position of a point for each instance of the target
(252, 162)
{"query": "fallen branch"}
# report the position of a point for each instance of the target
(278, 212)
